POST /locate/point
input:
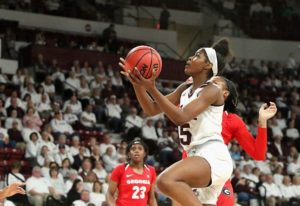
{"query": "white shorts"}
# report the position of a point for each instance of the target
(217, 155)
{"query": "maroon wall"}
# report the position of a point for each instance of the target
(172, 69)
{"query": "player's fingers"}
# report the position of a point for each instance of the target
(264, 106)
(21, 191)
(122, 60)
(122, 66)
(133, 77)
(137, 73)
(124, 73)
(153, 74)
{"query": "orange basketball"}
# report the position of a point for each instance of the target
(145, 58)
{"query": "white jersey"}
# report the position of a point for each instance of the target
(206, 126)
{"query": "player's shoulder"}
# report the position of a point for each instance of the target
(120, 167)
(233, 118)
(150, 168)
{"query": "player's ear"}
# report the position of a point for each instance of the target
(208, 66)
(226, 93)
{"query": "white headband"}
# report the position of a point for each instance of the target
(212, 57)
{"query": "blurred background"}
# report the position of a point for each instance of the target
(59, 68)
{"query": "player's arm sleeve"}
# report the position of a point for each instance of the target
(255, 147)
(116, 173)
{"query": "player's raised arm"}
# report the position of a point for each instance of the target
(148, 105)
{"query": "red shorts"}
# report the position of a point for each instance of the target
(226, 198)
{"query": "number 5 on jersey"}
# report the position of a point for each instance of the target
(139, 192)
(184, 134)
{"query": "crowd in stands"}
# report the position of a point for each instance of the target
(262, 18)
(100, 10)
(47, 123)
(106, 42)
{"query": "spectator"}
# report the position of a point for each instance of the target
(110, 161)
(273, 193)
(15, 135)
(100, 171)
(72, 176)
(14, 104)
(78, 159)
(13, 118)
(292, 133)
(286, 190)
(60, 126)
(35, 119)
(17, 78)
(133, 123)
(15, 176)
(278, 175)
(62, 154)
(87, 174)
(46, 141)
(75, 191)
(114, 114)
(278, 149)
(44, 157)
(72, 82)
(166, 147)
(95, 155)
(58, 185)
(65, 168)
(96, 196)
(164, 17)
(296, 186)
(107, 143)
(44, 108)
(69, 117)
(84, 199)
(74, 149)
(32, 148)
(84, 91)
(149, 135)
(74, 104)
(38, 188)
(88, 118)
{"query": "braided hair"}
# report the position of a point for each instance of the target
(232, 100)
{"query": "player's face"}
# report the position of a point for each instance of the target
(137, 153)
(196, 63)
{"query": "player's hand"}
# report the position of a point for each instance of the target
(267, 112)
(126, 72)
(15, 188)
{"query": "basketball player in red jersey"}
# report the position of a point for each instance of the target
(233, 127)
(134, 181)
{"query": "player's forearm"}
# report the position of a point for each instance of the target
(166, 106)
(110, 200)
(147, 104)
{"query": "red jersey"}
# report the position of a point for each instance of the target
(233, 127)
(133, 188)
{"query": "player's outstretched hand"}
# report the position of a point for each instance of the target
(14, 188)
(267, 112)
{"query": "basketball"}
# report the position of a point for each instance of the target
(145, 59)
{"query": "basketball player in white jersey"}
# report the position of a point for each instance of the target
(208, 165)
